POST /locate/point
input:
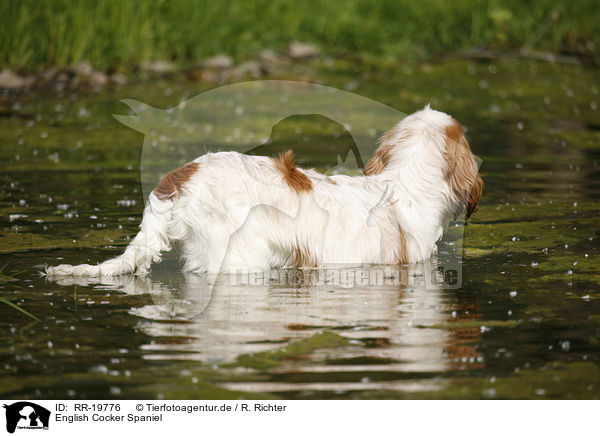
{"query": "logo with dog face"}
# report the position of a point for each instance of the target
(26, 415)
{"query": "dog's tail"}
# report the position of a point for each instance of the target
(145, 248)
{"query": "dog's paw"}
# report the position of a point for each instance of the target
(60, 270)
(70, 270)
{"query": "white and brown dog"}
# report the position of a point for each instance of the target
(230, 211)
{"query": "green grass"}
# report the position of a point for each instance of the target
(116, 34)
(8, 278)
(19, 309)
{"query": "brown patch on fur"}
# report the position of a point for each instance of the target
(402, 255)
(462, 173)
(383, 154)
(296, 179)
(379, 161)
(455, 131)
(172, 183)
(303, 258)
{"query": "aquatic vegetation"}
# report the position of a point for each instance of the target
(8, 277)
(15, 242)
(20, 309)
(468, 324)
(292, 351)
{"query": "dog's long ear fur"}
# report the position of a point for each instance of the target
(476, 191)
(462, 173)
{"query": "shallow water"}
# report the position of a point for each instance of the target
(524, 324)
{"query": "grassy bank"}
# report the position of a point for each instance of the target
(116, 34)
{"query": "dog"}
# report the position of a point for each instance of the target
(229, 211)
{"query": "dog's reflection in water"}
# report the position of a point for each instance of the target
(217, 318)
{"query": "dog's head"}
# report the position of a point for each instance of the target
(461, 174)
(429, 148)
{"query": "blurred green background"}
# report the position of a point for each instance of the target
(117, 35)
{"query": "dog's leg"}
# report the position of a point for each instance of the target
(145, 248)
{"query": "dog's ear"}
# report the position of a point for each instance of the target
(462, 172)
(476, 191)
